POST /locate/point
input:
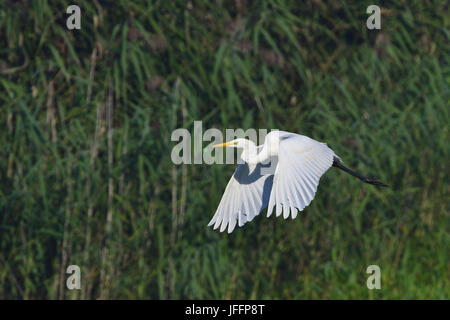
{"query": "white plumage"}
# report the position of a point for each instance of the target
(299, 163)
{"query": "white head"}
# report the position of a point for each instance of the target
(237, 143)
(249, 148)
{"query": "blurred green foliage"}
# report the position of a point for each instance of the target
(86, 177)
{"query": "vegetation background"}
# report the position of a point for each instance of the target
(86, 118)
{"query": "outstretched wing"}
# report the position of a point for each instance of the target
(245, 196)
(301, 163)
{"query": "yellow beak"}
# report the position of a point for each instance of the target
(230, 143)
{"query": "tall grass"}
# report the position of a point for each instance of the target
(85, 169)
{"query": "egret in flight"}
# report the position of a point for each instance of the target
(298, 163)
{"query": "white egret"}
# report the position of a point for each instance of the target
(299, 162)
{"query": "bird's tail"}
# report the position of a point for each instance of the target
(337, 163)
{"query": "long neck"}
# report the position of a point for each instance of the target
(252, 156)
